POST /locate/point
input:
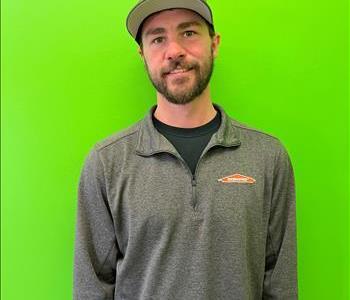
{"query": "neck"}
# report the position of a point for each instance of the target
(198, 112)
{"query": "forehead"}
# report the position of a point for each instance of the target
(171, 17)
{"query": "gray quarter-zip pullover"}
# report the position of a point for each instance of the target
(149, 229)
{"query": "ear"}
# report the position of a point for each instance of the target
(139, 50)
(215, 44)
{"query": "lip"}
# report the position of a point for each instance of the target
(179, 73)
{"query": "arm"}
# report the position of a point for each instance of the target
(280, 280)
(95, 241)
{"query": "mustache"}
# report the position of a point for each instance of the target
(174, 64)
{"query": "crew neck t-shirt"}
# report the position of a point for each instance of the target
(189, 142)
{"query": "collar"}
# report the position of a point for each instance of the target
(151, 141)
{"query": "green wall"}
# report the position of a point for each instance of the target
(71, 76)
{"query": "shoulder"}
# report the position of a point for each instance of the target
(259, 140)
(262, 146)
(123, 136)
(253, 133)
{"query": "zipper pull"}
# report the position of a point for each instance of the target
(194, 182)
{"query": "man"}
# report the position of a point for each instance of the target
(187, 203)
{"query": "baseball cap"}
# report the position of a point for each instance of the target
(145, 8)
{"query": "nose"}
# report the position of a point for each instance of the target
(174, 50)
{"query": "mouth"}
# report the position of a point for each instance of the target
(178, 72)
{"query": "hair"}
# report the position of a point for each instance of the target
(138, 38)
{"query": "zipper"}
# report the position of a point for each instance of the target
(193, 176)
(194, 184)
(193, 180)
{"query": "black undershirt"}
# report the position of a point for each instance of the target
(189, 142)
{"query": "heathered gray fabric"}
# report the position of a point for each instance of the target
(145, 230)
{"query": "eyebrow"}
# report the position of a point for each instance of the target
(181, 26)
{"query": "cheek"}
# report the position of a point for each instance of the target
(199, 53)
(154, 65)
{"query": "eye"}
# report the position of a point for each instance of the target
(157, 40)
(189, 33)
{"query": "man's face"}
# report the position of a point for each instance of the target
(178, 54)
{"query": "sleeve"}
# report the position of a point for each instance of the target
(280, 280)
(95, 248)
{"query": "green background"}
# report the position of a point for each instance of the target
(71, 76)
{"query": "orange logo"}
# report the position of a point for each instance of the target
(237, 178)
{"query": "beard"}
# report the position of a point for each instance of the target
(182, 94)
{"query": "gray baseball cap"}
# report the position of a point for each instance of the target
(145, 8)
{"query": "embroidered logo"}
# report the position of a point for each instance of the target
(237, 178)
